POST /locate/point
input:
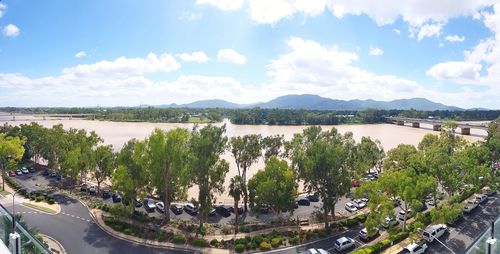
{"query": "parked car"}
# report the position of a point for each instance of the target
(481, 198)
(46, 172)
(19, 172)
(149, 204)
(359, 204)
(53, 174)
(212, 212)
(116, 197)
(25, 170)
(176, 208)
(317, 251)
(12, 173)
(414, 248)
(223, 210)
(430, 202)
(363, 234)
(343, 243)
(487, 191)
(470, 205)
(389, 221)
(265, 209)
(313, 198)
(92, 190)
(31, 169)
(240, 210)
(355, 183)
(160, 206)
(401, 214)
(434, 231)
(84, 187)
(350, 207)
(190, 209)
(396, 201)
(137, 202)
(303, 201)
(106, 194)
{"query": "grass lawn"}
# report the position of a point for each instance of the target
(41, 208)
(198, 120)
(4, 193)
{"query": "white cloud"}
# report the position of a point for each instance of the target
(376, 51)
(461, 72)
(191, 16)
(197, 56)
(3, 7)
(455, 38)
(81, 54)
(231, 56)
(225, 5)
(11, 30)
(270, 12)
(441, 45)
(397, 31)
(426, 30)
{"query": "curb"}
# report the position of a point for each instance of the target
(38, 210)
(56, 242)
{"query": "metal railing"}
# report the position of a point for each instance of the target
(488, 242)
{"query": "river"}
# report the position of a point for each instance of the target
(117, 133)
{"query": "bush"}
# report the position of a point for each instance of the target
(214, 243)
(276, 242)
(179, 239)
(39, 198)
(239, 248)
(258, 239)
(294, 240)
(202, 230)
(264, 246)
(200, 242)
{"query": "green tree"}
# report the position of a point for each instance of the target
(493, 139)
(235, 191)
(272, 146)
(11, 149)
(207, 169)
(379, 204)
(274, 186)
(168, 155)
(400, 157)
(104, 162)
(446, 213)
(369, 154)
(246, 151)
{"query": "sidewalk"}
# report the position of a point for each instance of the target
(53, 244)
(397, 247)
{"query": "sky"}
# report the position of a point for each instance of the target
(128, 53)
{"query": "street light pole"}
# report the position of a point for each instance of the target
(13, 213)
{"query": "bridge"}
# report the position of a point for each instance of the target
(38, 117)
(436, 124)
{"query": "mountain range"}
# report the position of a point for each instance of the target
(315, 102)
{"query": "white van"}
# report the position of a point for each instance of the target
(434, 231)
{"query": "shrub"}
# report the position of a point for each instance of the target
(200, 242)
(127, 231)
(264, 246)
(39, 198)
(276, 242)
(202, 230)
(258, 239)
(214, 243)
(240, 241)
(239, 248)
(243, 229)
(179, 239)
(294, 240)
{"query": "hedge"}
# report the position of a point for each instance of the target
(179, 239)
(239, 248)
(264, 246)
(200, 242)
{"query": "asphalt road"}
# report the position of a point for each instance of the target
(76, 231)
(469, 228)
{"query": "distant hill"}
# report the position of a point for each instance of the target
(315, 102)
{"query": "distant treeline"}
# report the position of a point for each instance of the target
(258, 115)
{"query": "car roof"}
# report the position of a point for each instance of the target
(343, 239)
(411, 246)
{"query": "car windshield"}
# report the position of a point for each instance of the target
(337, 243)
(426, 234)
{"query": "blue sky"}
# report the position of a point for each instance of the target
(109, 53)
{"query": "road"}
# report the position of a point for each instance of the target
(469, 228)
(76, 231)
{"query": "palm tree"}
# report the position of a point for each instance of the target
(235, 191)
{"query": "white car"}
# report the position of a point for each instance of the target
(350, 207)
(414, 249)
(389, 221)
(481, 198)
(160, 206)
(470, 205)
(317, 251)
(359, 204)
(343, 243)
(401, 214)
(25, 170)
(434, 231)
(363, 234)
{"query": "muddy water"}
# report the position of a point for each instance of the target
(117, 133)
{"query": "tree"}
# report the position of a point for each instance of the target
(206, 167)
(131, 178)
(235, 191)
(272, 146)
(325, 166)
(493, 139)
(168, 155)
(11, 149)
(369, 153)
(379, 204)
(399, 158)
(410, 187)
(446, 213)
(104, 162)
(274, 186)
(246, 151)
